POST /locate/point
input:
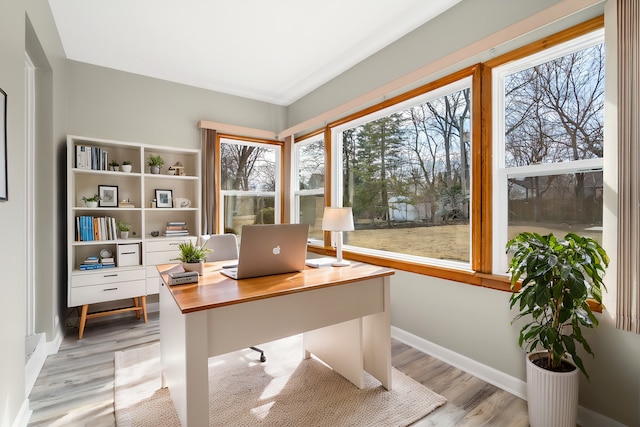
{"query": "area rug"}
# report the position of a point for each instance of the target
(286, 390)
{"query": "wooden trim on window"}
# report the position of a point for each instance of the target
(550, 41)
(478, 240)
(217, 186)
(450, 78)
(310, 134)
(237, 130)
(486, 173)
(250, 139)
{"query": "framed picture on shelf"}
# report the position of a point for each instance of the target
(3, 146)
(164, 198)
(108, 196)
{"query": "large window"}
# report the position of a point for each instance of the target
(406, 172)
(250, 184)
(548, 143)
(309, 192)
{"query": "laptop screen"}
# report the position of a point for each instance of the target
(271, 249)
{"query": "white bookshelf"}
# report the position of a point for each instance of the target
(134, 275)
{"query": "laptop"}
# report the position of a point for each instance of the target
(270, 249)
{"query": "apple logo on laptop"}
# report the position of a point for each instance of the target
(276, 250)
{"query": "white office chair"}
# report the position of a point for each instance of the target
(225, 247)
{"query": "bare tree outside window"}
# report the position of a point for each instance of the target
(408, 174)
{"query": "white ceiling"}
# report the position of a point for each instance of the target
(275, 51)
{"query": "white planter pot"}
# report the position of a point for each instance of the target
(124, 234)
(154, 169)
(194, 266)
(126, 168)
(91, 204)
(552, 397)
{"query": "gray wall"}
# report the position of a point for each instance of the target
(105, 103)
(94, 101)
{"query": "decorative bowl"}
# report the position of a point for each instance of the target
(181, 202)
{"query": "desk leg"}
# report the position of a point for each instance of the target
(183, 346)
(377, 341)
(339, 346)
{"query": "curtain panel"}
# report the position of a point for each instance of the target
(208, 181)
(628, 268)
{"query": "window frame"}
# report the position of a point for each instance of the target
(278, 193)
(502, 173)
(482, 270)
(296, 190)
(435, 92)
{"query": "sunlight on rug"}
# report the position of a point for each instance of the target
(284, 391)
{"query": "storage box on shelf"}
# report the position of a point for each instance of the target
(93, 233)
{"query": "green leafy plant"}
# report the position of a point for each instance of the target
(126, 162)
(189, 252)
(113, 163)
(155, 160)
(123, 225)
(558, 276)
(94, 198)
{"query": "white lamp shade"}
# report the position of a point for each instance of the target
(337, 219)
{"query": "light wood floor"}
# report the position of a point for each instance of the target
(75, 387)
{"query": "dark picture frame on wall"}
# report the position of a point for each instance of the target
(164, 198)
(4, 184)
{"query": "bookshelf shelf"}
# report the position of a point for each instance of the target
(135, 192)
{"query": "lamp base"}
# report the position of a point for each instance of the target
(342, 263)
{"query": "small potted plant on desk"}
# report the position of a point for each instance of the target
(114, 166)
(126, 166)
(558, 276)
(124, 228)
(91, 202)
(155, 162)
(193, 256)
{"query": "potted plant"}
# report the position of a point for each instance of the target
(155, 162)
(91, 202)
(193, 256)
(114, 166)
(124, 228)
(126, 166)
(558, 276)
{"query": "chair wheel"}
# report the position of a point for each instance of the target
(263, 358)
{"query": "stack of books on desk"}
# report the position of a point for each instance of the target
(91, 263)
(176, 228)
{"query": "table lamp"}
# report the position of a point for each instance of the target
(338, 220)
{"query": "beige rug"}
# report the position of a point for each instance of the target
(284, 391)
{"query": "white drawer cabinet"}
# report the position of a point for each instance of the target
(164, 251)
(108, 292)
(106, 276)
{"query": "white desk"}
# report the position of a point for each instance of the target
(343, 312)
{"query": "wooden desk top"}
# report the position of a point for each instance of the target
(217, 290)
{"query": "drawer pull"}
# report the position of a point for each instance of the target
(110, 275)
(110, 289)
(174, 244)
(128, 253)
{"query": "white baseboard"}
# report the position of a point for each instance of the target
(508, 383)
(22, 419)
(35, 361)
(486, 373)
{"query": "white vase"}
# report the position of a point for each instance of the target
(552, 397)
(126, 168)
(194, 266)
(91, 204)
(124, 234)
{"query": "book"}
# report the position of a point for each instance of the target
(90, 266)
